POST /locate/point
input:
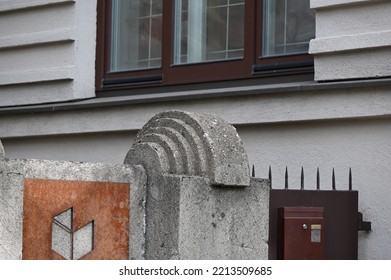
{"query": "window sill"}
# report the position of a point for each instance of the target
(195, 94)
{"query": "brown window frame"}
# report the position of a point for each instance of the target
(250, 66)
(278, 65)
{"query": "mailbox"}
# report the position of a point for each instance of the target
(300, 233)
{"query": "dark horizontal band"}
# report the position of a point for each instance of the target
(133, 80)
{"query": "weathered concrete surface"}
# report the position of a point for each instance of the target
(11, 206)
(62, 235)
(221, 223)
(183, 143)
(1, 151)
(191, 196)
(162, 218)
(187, 218)
(14, 171)
(200, 203)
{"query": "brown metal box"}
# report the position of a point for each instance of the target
(300, 233)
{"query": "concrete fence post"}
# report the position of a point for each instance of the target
(70, 210)
(201, 202)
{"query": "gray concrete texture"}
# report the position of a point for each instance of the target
(62, 236)
(223, 223)
(69, 244)
(194, 144)
(188, 218)
(200, 203)
(191, 193)
(14, 171)
(1, 151)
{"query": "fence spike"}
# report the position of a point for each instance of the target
(350, 179)
(317, 179)
(253, 171)
(270, 176)
(302, 179)
(286, 178)
(333, 181)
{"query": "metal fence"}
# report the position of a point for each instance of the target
(341, 216)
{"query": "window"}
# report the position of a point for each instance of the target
(156, 42)
(208, 31)
(288, 26)
(136, 35)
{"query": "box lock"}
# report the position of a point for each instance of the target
(316, 233)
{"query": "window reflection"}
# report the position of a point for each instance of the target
(208, 30)
(136, 34)
(288, 26)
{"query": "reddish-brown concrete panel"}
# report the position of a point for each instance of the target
(107, 204)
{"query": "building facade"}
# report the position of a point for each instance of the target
(66, 92)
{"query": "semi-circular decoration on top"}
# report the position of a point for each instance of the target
(193, 144)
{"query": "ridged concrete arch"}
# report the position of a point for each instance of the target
(194, 144)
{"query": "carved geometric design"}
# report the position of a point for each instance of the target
(83, 241)
(183, 143)
(75, 220)
(72, 245)
(62, 237)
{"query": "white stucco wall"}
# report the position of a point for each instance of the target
(47, 51)
(353, 39)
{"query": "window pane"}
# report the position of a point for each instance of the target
(208, 30)
(136, 34)
(288, 26)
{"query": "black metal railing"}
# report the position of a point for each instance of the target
(302, 179)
